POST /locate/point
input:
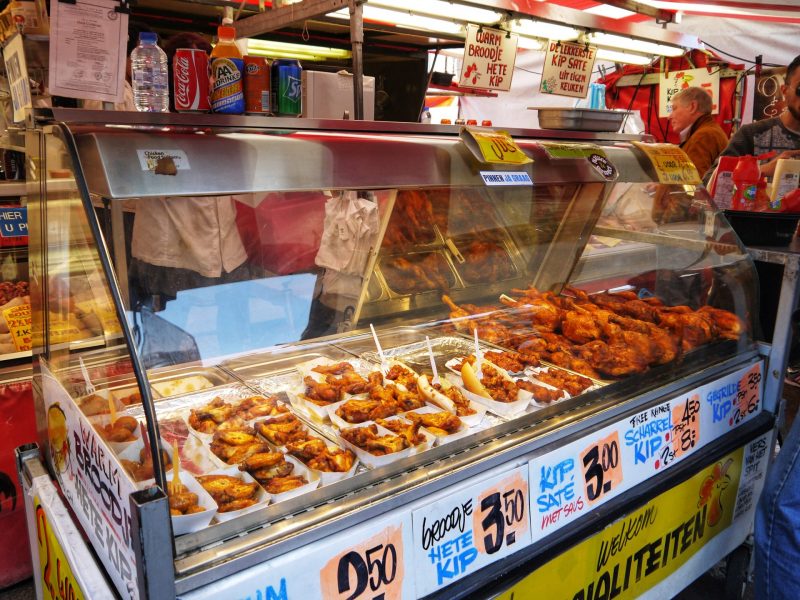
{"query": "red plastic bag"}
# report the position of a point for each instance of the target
(791, 202)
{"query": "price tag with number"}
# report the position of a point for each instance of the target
(602, 468)
(748, 395)
(470, 527)
(685, 425)
(18, 320)
(672, 165)
(369, 570)
(496, 147)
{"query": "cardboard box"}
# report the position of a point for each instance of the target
(328, 95)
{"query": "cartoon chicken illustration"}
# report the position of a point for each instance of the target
(711, 491)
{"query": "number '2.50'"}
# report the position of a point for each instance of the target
(375, 571)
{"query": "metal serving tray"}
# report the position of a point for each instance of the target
(579, 119)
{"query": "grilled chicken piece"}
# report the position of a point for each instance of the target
(282, 429)
(307, 449)
(442, 420)
(224, 488)
(238, 504)
(235, 437)
(321, 393)
(259, 406)
(339, 368)
(357, 411)
(332, 461)
(279, 485)
(410, 431)
(368, 439)
(206, 418)
(182, 502)
(261, 460)
(264, 475)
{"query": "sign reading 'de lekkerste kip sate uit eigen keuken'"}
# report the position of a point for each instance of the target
(488, 62)
(567, 69)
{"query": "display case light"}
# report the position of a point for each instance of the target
(622, 57)
(403, 19)
(619, 42)
(442, 9)
(543, 30)
(299, 51)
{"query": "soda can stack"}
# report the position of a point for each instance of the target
(256, 86)
(286, 87)
(190, 80)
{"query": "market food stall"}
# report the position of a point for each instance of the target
(556, 343)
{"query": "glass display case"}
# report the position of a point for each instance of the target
(325, 322)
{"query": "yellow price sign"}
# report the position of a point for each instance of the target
(496, 147)
(18, 319)
(58, 579)
(673, 166)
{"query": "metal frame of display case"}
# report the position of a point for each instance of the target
(220, 551)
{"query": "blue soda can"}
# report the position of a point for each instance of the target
(286, 88)
(227, 89)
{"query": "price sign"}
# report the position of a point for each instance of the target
(748, 396)
(502, 516)
(685, 426)
(497, 147)
(371, 570)
(672, 164)
(602, 467)
(18, 319)
(58, 580)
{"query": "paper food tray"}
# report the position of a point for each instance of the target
(471, 420)
(182, 524)
(299, 469)
(504, 409)
(262, 497)
(370, 459)
(438, 440)
(132, 453)
(532, 372)
(100, 421)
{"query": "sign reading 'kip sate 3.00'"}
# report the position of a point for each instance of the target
(488, 62)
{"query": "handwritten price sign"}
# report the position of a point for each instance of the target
(372, 570)
(494, 147)
(685, 426)
(502, 515)
(602, 467)
(18, 320)
(748, 396)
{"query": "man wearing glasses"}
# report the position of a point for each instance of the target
(781, 133)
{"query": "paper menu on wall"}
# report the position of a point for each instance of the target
(88, 42)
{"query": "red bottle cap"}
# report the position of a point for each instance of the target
(446, 122)
(472, 122)
(486, 123)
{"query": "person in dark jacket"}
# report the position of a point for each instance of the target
(701, 136)
(781, 133)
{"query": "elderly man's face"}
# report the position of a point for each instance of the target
(683, 114)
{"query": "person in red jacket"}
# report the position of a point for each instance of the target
(701, 136)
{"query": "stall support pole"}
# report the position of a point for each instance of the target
(782, 337)
(357, 41)
(153, 544)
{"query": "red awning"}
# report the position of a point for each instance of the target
(759, 10)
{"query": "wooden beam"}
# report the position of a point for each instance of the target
(286, 15)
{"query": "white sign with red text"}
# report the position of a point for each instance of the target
(567, 69)
(488, 59)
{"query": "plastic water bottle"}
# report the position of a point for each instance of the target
(426, 115)
(150, 76)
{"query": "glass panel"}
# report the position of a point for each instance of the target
(78, 318)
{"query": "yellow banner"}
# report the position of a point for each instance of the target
(58, 581)
(672, 164)
(637, 552)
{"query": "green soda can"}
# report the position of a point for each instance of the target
(286, 89)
